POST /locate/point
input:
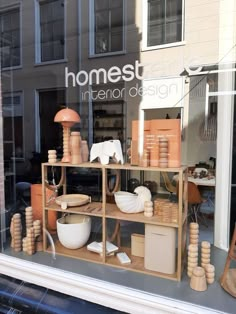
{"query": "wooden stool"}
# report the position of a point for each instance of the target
(228, 278)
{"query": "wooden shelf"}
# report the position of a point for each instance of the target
(81, 253)
(137, 265)
(112, 211)
(91, 209)
(108, 211)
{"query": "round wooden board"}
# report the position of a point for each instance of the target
(73, 199)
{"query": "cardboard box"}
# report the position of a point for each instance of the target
(137, 244)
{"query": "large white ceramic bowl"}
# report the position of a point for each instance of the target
(73, 230)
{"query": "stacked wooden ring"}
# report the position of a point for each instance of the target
(30, 241)
(163, 152)
(24, 244)
(16, 229)
(198, 279)
(148, 209)
(28, 217)
(52, 156)
(37, 228)
(193, 233)
(192, 258)
(210, 273)
(205, 253)
(174, 212)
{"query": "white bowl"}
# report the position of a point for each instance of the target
(73, 230)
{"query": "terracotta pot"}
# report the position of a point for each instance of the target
(37, 205)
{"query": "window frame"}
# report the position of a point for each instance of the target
(38, 57)
(7, 9)
(145, 30)
(92, 53)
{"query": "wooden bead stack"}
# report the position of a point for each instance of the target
(174, 212)
(198, 279)
(145, 159)
(205, 253)
(52, 156)
(30, 241)
(24, 244)
(37, 228)
(28, 217)
(192, 258)
(16, 230)
(210, 273)
(163, 152)
(148, 209)
(162, 208)
(193, 233)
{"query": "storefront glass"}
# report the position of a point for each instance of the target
(114, 62)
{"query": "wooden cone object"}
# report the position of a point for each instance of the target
(198, 279)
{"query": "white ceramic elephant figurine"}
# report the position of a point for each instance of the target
(105, 150)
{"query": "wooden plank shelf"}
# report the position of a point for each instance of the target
(81, 253)
(112, 211)
(137, 265)
(91, 209)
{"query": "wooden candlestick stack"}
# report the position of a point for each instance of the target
(205, 253)
(192, 258)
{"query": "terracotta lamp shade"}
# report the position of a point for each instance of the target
(67, 117)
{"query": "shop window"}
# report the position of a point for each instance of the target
(12, 125)
(163, 22)
(10, 44)
(50, 31)
(107, 26)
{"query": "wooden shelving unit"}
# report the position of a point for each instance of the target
(105, 211)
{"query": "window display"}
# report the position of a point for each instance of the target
(106, 195)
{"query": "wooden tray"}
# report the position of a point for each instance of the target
(73, 199)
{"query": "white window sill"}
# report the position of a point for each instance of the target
(50, 62)
(94, 290)
(17, 67)
(107, 54)
(177, 44)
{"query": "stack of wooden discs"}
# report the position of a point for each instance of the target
(37, 228)
(52, 156)
(148, 209)
(205, 253)
(192, 258)
(30, 241)
(24, 244)
(210, 273)
(162, 208)
(163, 152)
(198, 279)
(16, 229)
(193, 233)
(174, 212)
(145, 160)
(28, 217)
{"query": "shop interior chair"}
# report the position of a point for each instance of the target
(195, 201)
(168, 184)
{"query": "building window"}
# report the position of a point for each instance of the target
(52, 31)
(164, 22)
(107, 26)
(10, 38)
